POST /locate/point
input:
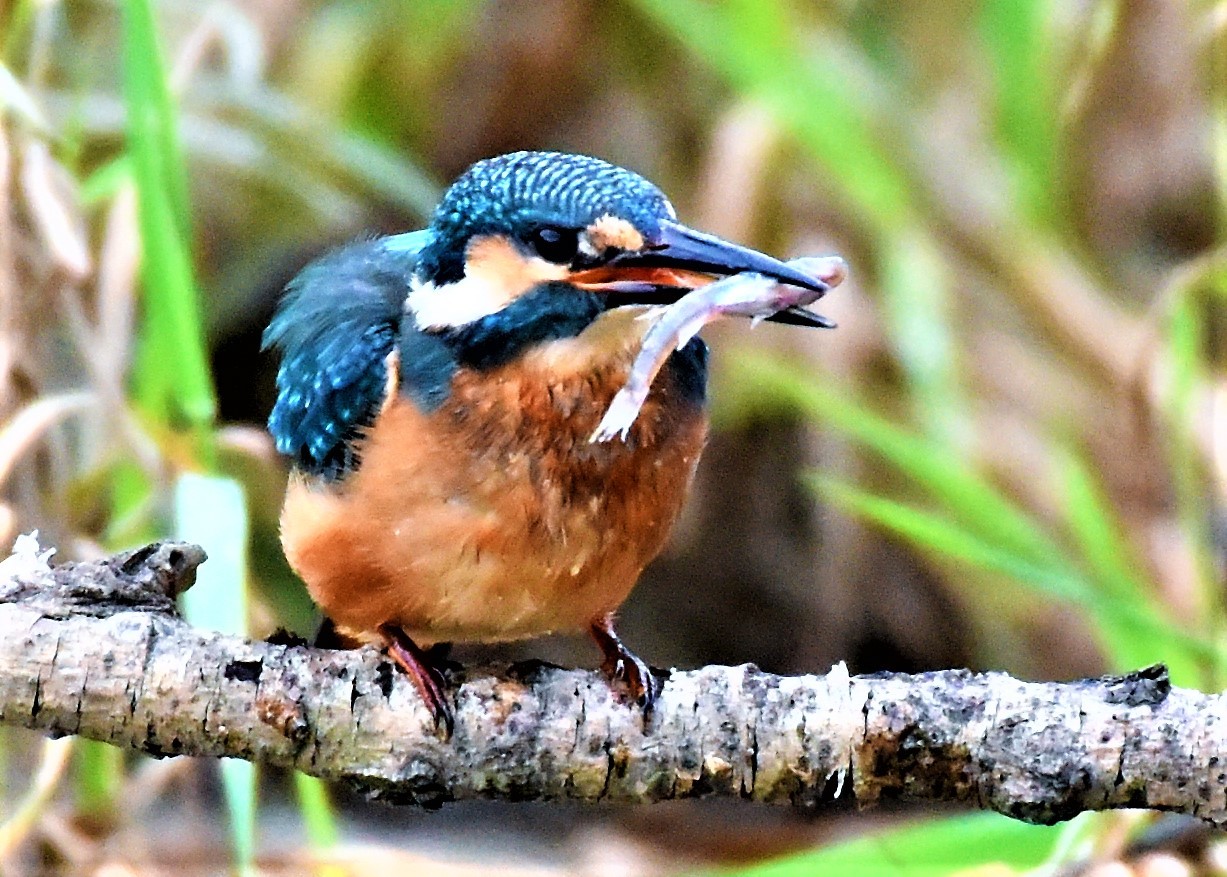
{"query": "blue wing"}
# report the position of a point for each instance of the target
(335, 327)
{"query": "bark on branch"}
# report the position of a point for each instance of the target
(98, 650)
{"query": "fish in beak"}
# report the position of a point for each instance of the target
(680, 259)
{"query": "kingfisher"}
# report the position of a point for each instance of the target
(437, 393)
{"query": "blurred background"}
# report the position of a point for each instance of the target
(1011, 455)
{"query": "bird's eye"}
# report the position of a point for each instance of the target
(559, 245)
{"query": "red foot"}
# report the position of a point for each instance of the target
(406, 654)
(622, 666)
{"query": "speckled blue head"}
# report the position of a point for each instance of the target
(514, 193)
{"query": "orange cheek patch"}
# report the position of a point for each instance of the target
(496, 274)
(499, 264)
(612, 232)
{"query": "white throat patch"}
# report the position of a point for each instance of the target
(455, 304)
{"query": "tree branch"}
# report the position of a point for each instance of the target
(97, 649)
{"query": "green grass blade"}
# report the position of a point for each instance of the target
(918, 305)
(152, 118)
(934, 848)
(17, 27)
(98, 777)
(1021, 59)
(1184, 334)
(1114, 571)
(172, 382)
(1188, 337)
(985, 529)
(937, 468)
(106, 182)
(212, 512)
(1098, 535)
(239, 784)
(132, 499)
(940, 536)
(1185, 337)
(317, 812)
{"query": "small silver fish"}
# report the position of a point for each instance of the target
(744, 295)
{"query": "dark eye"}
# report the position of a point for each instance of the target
(554, 244)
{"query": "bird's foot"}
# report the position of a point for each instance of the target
(624, 667)
(426, 676)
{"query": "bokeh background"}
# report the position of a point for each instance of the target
(1012, 454)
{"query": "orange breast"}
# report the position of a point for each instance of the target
(493, 517)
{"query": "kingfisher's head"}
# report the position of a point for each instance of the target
(544, 230)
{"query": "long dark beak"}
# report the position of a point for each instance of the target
(690, 250)
(680, 259)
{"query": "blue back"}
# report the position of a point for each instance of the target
(335, 327)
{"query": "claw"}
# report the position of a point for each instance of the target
(623, 666)
(426, 677)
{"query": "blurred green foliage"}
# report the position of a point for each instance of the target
(1027, 391)
(924, 850)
